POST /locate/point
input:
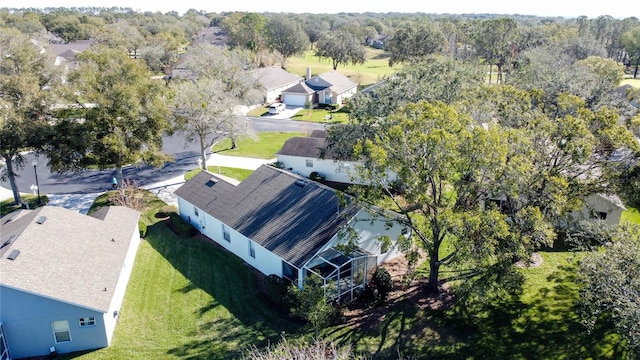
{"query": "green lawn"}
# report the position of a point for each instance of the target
(631, 81)
(541, 323)
(313, 115)
(631, 215)
(235, 173)
(264, 146)
(188, 299)
(7, 206)
(374, 68)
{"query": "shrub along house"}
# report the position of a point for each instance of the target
(64, 276)
(280, 223)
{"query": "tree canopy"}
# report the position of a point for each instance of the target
(341, 47)
(123, 111)
(27, 93)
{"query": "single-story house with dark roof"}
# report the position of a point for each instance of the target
(274, 80)
(305, 155)
(283, 224)
(64, 277)
(327, 88)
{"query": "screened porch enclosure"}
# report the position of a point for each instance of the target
(343, 276)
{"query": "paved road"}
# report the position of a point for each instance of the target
(94, 181)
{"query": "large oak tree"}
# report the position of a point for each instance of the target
(27, 83)
(123, 114)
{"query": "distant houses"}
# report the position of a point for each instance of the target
(64, 276)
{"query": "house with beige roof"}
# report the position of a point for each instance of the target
(64, 276)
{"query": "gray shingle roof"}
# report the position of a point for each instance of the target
(309, 147)
(273, 208)
(273, 77)
(70, 257)
(338, 82)
(300, 88)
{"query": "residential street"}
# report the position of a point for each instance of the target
(70, 188)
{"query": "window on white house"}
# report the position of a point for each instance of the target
(61, 331)
(87, 321)
(601, 215)
(195, 211)
(225, 233)
(309, 163)
(252, 250)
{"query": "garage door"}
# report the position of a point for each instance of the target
(294, 99)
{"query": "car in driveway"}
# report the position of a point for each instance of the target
(277, 108)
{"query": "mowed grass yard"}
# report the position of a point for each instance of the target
(190, 299)
(375, 67)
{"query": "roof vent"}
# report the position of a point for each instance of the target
(41, 220)
(211, 182)
(301, 182)
(13, 255)
(8, 219)
(8, 242)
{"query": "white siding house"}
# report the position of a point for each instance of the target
(327, 88)
(601, 207)
(274, 81)
(279, 223)
(78, 265)
(305, 155)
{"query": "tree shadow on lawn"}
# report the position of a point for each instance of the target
(545, 328)
(232, 285)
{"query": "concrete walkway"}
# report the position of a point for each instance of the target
(164, 189)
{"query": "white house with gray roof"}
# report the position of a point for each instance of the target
(64, 276)
(328, 88)
(274, 81)
(283, 224)
(306, 155)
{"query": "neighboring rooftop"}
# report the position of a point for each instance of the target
(338, 83)
(291, 216)
(66, 255)
(273, 77)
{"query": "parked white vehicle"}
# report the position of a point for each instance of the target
(277, 108)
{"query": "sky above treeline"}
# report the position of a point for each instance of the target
(568, 9)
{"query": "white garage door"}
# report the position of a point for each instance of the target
(294, 99)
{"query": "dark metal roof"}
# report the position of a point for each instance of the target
(291, 216)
